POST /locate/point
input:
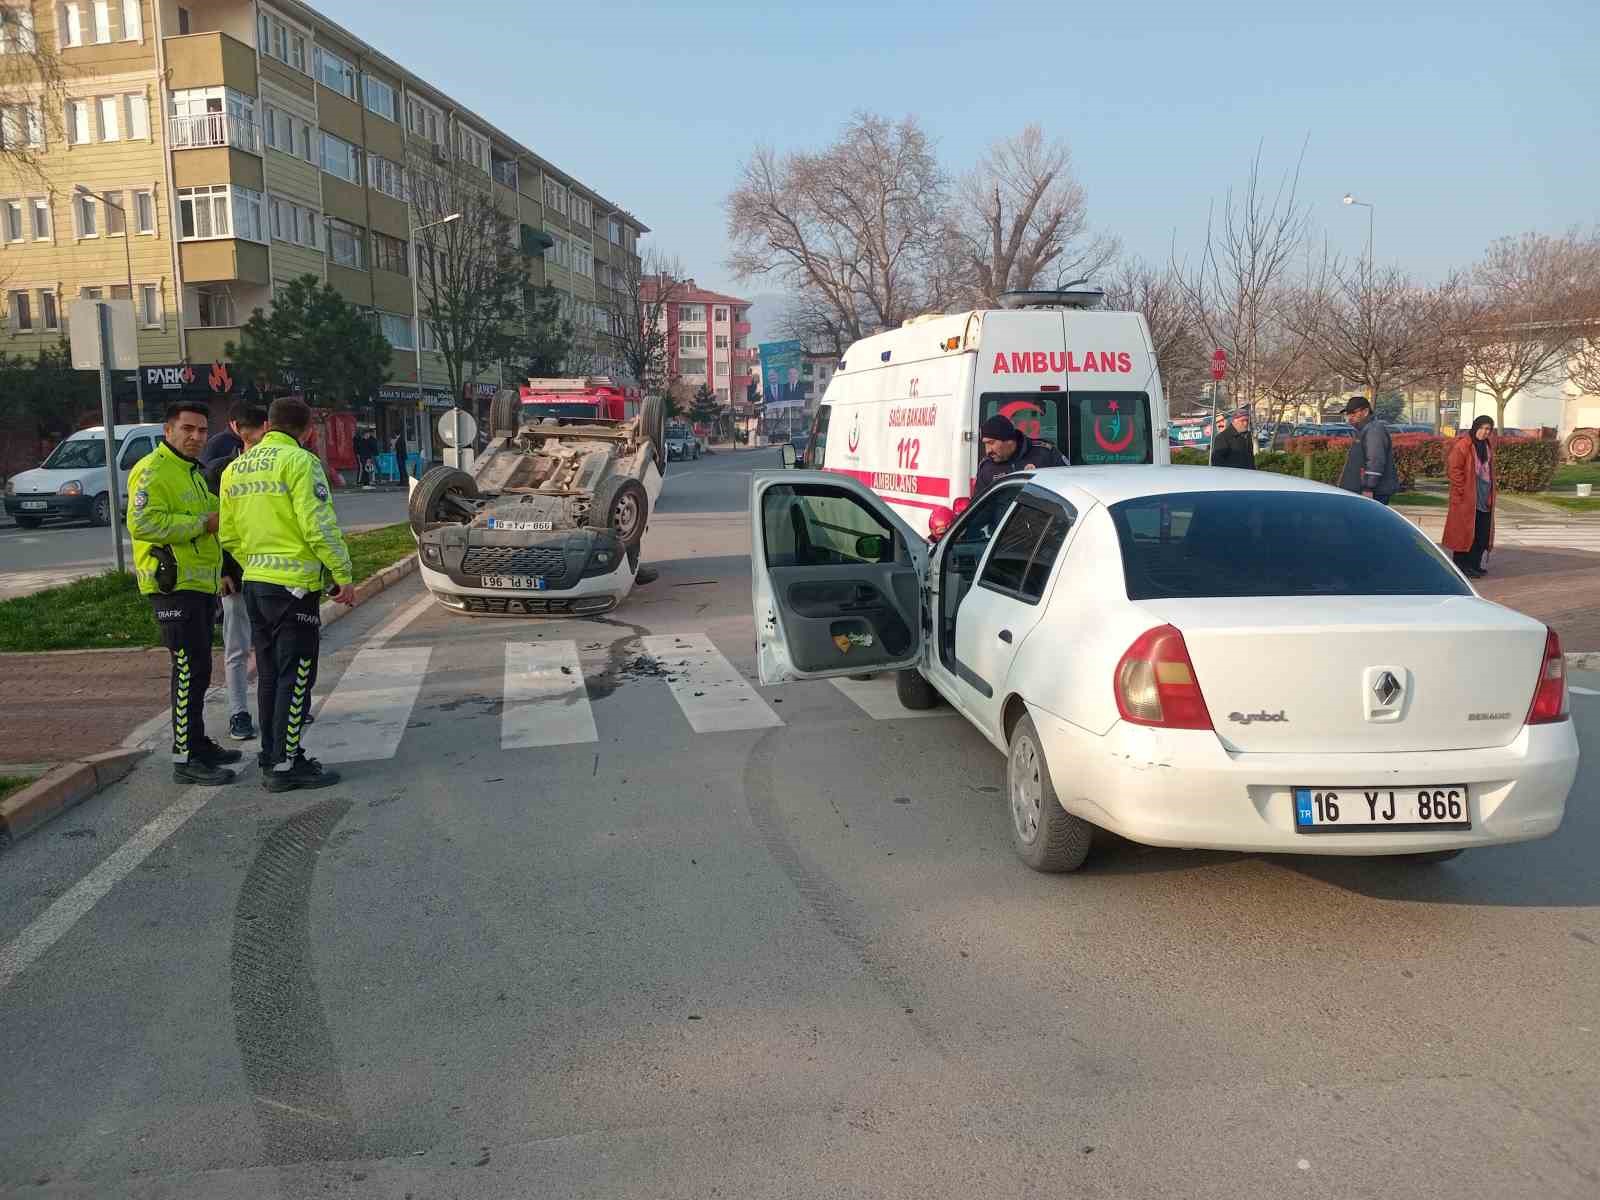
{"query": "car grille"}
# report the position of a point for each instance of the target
(508, 607)
(549, 561)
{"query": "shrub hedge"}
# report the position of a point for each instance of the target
(1521, 464)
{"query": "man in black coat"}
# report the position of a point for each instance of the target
(1007, 449)
(1233, 446)
(1369, 467)
(399, 448)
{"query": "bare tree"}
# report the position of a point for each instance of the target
(1021, 220)
(32, 91)
(1180, 351)
(649, 286)
(1236, 288)
(859, 225)
(1532, 299)
(1586, 365)
(471, 271)
(814, 325)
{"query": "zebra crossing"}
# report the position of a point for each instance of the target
(545, 699)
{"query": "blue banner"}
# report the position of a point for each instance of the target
(780, 374)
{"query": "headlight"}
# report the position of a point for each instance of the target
(70, 488)
(432, 555)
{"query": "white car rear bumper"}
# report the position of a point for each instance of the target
(1180, 788)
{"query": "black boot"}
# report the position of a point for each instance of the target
(213, 755)
(304, 773)
(196, 771)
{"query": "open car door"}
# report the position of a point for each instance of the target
(836, 576)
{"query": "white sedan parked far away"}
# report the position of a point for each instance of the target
(1185, 656)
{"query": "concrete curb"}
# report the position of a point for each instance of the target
(66, 786)
(382, 581)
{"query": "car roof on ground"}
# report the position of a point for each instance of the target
(1110, 485)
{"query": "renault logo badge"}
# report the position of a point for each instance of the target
(1387, 688)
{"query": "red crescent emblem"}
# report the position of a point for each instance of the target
(1112, 447)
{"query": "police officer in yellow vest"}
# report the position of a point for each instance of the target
(278, 521)
(172, 517)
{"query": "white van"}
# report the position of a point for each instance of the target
(72, 482)
(902, 412)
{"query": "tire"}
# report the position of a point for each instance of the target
(1583, 445)
(427, 505)
(503, 420)
(914, 692)
(28, 522)
(622, 505)
(653, 424)
(1429, 858)
(1046, 836)
(100, 514)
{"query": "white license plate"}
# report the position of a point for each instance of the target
(522, 526)
(1365, 810)
(519, 583)
(33, 504)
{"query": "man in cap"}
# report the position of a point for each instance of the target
(1369, 467)
(1233, 446)
(1007, 449)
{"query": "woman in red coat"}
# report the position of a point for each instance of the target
(1469, 525)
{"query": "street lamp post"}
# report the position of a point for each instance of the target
(1350, 199)
(416, 309)
(127, 253)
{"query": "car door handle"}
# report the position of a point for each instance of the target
(1005, 636)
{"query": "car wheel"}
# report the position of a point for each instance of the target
(1047, 836)
(29, 522)
(653, 425)
(101, 514)
(622, 505)
(1429, 858)
(503, 413)
(913, 691)
(437, 496)
(1582, 445)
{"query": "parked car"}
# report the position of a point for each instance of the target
(1189, 657)
(682, 443)
(800, 441)
(73, 483)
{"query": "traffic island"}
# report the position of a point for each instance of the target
(22, 811)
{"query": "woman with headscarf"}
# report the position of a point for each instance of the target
(1469, 525)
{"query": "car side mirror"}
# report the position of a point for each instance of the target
(788, 456)
(869, 546)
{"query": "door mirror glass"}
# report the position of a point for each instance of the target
(788, 455)
(870, 547)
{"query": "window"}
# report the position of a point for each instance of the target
(137, 107)
(424, 120)
(150, 314)
(691, 341)
(84, 22)
(555, 196)
(396, 329)
(827, 525)
(132, 21)
(1010, 568)
(21, 312)
(504, 170)
(133, 450)
(582, 212)
(722, 341)
(336, 73)
(389, 254)
(90, 293)
(473, 148)
(692, 366)
(345, 242)
(144, 211)
(213, 306)
(560, 252)
(21, 125)
(13, 220)
(721, 367)
(386, 176)
(430, 337)
(49, 311)
(16, 31)
(719, 315)
(86, 209)
(116, 214)
(69, 25)
(583, 258)
(203, 212)
(288, 133)
(340, 158)
(614, 230)
(106, 123)
(691, 312)
(183, 22)
(381, 97)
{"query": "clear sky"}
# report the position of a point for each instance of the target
(1460, 121)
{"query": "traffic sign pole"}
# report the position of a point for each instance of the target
(1219, 368)
(108, 419)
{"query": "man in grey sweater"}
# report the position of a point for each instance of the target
(1369, 467)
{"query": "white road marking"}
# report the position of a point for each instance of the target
(713, 695)
(1581, 691)
(876, 697)
(397, 624)
(546, 702)
(52, 924)
(368, 711)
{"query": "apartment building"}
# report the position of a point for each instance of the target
(230, 146)
(706, 336)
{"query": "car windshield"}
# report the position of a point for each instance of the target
(1271, 543)
(77, 454)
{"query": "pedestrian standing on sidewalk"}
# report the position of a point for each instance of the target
(278, 521)
(1469, 524)
(399, 448)
(1369, 467)
(1233, 446)
(248, 428)
(172, 518)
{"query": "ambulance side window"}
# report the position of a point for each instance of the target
(815, 457)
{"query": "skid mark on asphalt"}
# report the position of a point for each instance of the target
(829, 904)
(281, 1030)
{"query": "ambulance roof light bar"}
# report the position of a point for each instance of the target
(1070, 296)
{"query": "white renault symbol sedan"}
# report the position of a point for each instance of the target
(1185, 656)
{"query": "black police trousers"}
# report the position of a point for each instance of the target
(286, 632)
(186, 620)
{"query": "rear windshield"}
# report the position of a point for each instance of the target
(1195, 544)
(1089, 428)
(77, 454)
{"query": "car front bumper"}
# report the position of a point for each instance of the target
(585, 571)
(55, 506)
(1164, 787)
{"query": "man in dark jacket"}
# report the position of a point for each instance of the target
(1007, 449)
(1233, 446)
(1369, 467)
(245, 430)
(398, 446)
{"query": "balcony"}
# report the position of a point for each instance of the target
(213, 129)
(202, 60)
(741, 329)
(745, 354)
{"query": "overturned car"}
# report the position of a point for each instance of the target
(549, 519)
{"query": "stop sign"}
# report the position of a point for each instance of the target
(1219, 363)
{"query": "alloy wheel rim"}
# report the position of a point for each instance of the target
(1027, 790)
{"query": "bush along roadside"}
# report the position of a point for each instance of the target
(107, 612)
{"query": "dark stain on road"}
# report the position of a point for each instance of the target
(281, 1030)
(625, 660)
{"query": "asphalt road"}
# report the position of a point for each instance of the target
(641, 929)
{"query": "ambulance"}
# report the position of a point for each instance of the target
(902, 412)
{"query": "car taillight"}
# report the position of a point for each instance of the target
(1550, 697)
(939, 523)
(1155, 683)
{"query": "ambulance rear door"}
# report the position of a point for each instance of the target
(1022, 374)
(1115, 412)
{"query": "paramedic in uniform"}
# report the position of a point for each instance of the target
(1006, 449)
(172, 517)
(278, 521)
